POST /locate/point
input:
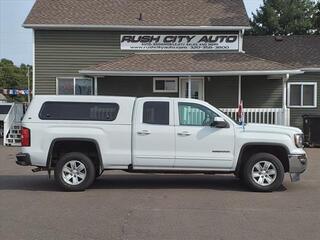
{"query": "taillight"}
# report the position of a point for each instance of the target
(25, 137)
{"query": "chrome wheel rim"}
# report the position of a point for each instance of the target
(264, 173)
(74, 172)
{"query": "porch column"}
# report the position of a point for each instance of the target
(286, 114)
(95, 84)
(189, 87)
(239, 89)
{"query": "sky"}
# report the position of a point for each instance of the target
(16, 42)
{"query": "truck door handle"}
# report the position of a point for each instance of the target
(144, 132)
(184, 134)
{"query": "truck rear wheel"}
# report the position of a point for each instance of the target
(74, 172)
(263, 172)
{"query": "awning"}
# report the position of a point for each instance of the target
(189, 64)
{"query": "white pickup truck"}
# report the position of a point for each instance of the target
(81, 136)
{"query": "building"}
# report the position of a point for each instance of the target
(181, 48)
(302, 52)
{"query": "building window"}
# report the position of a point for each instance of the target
(165, 85)
(74, 86)
(156, 113)
(302, 95)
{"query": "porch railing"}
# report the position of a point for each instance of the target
(278, 116)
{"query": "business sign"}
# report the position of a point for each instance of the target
(217, 42)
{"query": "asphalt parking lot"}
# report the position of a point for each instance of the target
(126, 206)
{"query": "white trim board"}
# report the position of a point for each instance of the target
(133, 27)
(186, 74)
(33, 64)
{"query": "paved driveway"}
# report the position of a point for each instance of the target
(126, 206)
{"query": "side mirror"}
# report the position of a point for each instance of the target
(219, 122)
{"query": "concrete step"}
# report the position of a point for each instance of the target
(13, 142)
(15, 136)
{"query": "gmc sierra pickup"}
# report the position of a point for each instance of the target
(78, 137)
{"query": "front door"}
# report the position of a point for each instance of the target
(153, 134)
(192, 87)
(198, 145)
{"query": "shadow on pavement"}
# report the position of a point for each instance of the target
(126, 181)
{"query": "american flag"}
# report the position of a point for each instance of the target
(241, 113)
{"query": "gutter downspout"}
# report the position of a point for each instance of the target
(34, 64)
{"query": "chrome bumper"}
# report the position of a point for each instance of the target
(297, 165)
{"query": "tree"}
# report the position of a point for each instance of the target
(12, 76)
(284, 17)
(317, 18)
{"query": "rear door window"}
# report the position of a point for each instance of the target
(156, 113)
(79, 111)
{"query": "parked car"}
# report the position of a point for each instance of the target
(81, 136)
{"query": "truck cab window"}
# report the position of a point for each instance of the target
(156, 113)
(191, 114)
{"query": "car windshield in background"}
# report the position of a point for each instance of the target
(4, 109)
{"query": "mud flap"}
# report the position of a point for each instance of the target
(295, 177)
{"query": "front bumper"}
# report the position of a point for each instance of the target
(23, 159)
(297, 165)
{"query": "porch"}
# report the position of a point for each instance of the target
(264, 98)
(223, 80)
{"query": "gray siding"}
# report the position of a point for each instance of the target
(219, 91)
(297, 113)
(257, 92)
(222, 92)
(129, 86)
(64, 53)
(260, 92)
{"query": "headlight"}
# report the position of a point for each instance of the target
(299, 140)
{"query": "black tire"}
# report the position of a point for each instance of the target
(276, 179)
(85, 182)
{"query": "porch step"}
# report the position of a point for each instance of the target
(14, 136)
(12, 125)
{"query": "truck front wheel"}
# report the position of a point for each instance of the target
(74, 172)
(263, 172)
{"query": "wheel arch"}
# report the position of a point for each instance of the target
(248, 149)
(77, 140)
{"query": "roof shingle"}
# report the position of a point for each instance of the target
(301, 51)
(127, 12)
(188, 62)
